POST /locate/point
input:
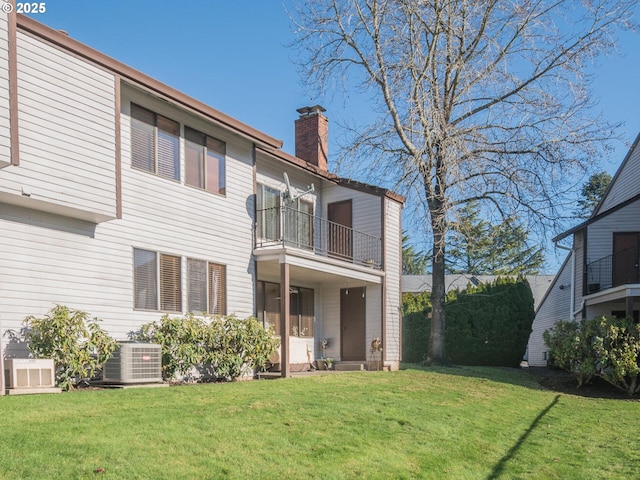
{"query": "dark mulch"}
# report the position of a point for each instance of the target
(563, 382)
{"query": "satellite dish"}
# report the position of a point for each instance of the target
(287, 194)
(288, 191)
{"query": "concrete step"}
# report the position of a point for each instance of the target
(348, 366)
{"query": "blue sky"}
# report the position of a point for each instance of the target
(233, 55)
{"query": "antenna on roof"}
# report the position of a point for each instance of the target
(288, 195)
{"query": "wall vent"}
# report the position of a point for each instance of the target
(134, 363)
(22, 373)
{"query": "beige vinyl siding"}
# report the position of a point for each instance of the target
(366, 207)
(331, 320)
(67, 131)
(56, 259)
(374, 314)
(270, 173)
(627, 182)
(554, 308)
(5, 149)
(179, 219)
(600, 233)
(393, 271)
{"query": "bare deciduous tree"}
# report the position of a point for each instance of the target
(477, 101)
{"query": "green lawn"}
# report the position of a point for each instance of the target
(458, 423)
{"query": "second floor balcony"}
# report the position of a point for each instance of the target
(621, 268)
(292, 228)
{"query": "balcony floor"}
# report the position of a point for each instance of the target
(613, 294)
(307, 266)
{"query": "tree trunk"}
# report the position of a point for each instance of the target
(436, 354)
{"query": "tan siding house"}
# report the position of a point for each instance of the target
(603, 268)
(125, 198)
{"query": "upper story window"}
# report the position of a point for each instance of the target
(155, 143)
(268, 214)
(204, 161)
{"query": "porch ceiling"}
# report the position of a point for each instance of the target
(312, 270)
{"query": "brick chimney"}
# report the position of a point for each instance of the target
(312, 134)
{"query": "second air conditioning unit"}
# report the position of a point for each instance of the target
(28, 373)
(134, 363)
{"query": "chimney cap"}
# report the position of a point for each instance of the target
(308, 111)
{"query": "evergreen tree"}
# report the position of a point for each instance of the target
(469, 242)
(592, 191)
(413, 263)
(479, 248)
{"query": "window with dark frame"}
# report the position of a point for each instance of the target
(301, 309)
(155, 143)
(269, 305)
(204, 161)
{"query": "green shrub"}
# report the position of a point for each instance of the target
(415, 326)
(489, 324)
(617, 349)
(605, 347)
(183, 341)
(75, 342)
(570, 348)
(222, 346)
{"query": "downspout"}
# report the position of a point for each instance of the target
(572, 302)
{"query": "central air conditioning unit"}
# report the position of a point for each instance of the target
(134, 363)
(25, 373)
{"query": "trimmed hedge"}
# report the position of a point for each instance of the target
(485, 325)
(415, 326)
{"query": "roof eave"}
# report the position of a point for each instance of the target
(126, 72)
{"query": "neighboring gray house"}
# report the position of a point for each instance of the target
(601, 275)
(128, 199)
(422, 283)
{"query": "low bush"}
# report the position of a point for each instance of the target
(225, 345)
(75, 342)
(571, 350)
(605, 347)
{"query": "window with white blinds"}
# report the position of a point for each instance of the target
(155, 143)
(197, 286)
(204, 161)
(217, 289)
(170, 281)
(145, 279)
(156, 281)
(206, 287)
